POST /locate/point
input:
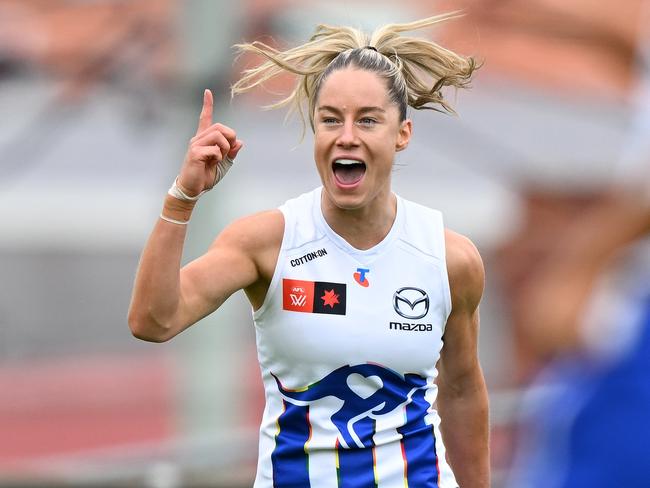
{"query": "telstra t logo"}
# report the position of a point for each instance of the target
(360, 277)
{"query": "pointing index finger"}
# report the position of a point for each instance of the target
(205, 119)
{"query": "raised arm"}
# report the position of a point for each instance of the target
(167, 299)
(462, 399)
(553, 300)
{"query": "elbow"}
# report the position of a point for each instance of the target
(467, 386)
(148, 337)
(146, 329)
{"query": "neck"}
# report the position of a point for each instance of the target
(363, 227)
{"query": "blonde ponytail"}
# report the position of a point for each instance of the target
(415, 69)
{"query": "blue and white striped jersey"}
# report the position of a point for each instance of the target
(348, 342)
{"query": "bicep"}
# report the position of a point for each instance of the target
(236, 260)
(207, 282)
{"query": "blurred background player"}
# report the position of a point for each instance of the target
(586, 311)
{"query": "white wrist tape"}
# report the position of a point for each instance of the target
(179, 194)
(222, 168)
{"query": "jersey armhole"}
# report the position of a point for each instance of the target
(287, 238)
(444, 275)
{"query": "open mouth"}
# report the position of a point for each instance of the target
(348, 172)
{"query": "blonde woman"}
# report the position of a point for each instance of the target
(359, 296)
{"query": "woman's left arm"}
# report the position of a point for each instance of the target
(462, 397)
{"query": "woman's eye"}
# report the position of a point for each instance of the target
(367, 121)
(329, 120)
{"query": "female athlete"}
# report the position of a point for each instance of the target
(365, 306)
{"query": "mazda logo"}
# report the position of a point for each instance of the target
(411, 303)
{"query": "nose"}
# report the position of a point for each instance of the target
(348, 135)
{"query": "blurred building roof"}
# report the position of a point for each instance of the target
(82, 42)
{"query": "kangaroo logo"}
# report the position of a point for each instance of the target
(367, 390)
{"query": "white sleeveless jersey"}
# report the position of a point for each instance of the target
(348, 342)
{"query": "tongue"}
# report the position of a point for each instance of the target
(349, 175)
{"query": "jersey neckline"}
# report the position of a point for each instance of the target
(345, 245)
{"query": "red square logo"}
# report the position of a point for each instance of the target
(298, 295)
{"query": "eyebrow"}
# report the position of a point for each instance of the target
(361, 110)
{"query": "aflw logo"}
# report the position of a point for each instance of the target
(298, 296)
(313, 296)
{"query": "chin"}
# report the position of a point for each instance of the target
(345, 200)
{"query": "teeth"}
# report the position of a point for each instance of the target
(347, 162)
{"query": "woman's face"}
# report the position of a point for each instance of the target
(357, 132)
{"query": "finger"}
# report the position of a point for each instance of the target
(205, 119)
(227, 132)
(207, 153)
(234, 150)
(214, 139)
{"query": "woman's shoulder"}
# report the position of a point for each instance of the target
(256, 231)
(464, 268)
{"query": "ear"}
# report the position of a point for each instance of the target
(404, 135)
